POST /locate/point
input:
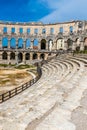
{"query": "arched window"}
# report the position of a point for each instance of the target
(28, 43)
(61, 30)
(5, 30)
(35, 31)
(52, 31)
(71, 29)
(12, 30)
(12, 43)
(43, 31)
(43, 44)
(35, 44)
(50, 44)
(20, 30)
(20, 43)
(5, 42)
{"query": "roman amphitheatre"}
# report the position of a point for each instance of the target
(43, 72)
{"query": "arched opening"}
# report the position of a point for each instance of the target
(50, 44)
(12, 56)
(35, 44)
(43, 44)
(27, 56)
(69, 44)
(78, 48)
(20, 43)
(12, 43)
(34, 56)
(20, 57)
(78, 44)
(85, 43)
(42, 56)
(4, 55)
(60, 44)
(28, 43)
(5, 42)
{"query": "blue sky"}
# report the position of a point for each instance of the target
(47, 11)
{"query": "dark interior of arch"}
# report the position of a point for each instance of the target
(43, 44)
(4, 56)
(42, 56)
(20, 57)
(12, 56)
(34, 56)
(27, 56)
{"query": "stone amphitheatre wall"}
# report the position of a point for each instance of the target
(24, 42)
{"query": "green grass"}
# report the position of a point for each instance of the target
(24, 66)
(81, 52)
(6, 65)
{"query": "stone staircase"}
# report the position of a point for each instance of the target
(48, 104)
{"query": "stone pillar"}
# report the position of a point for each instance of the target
(31, 44)
(81, 46)
(16, 57)
(74, 46)
(16, 43)
(46, 56)
(39, 44)
(8, 43)
(38, 56)
(0, 43)
(24, 45)
(50, 45)
(47, 45)
(0, 57)
(31, 56)
(8, 58)
(24, 61)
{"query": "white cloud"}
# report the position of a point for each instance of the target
(65, 10)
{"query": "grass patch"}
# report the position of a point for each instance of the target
(24, 66)
(81, 52)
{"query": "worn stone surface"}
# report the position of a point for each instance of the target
(53, 103)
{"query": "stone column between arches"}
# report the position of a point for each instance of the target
(8, 58)
(8, 43)
(24, 60)
(31, 56)
(81, 45)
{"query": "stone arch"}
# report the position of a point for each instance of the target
(13, 43)
(35, 56)
(4, 55)
(85, 43)
(28, 43)
(42, 56)
(43, 44)
(50, 44)
(60, 44)
(20, 57)
(77, 44)
(12, 56)
(77, 41)
(70, 43)
(20, 43)
(27, 56)
(5, 42)
(35, 44)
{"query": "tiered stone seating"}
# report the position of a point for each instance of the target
(49, 103)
